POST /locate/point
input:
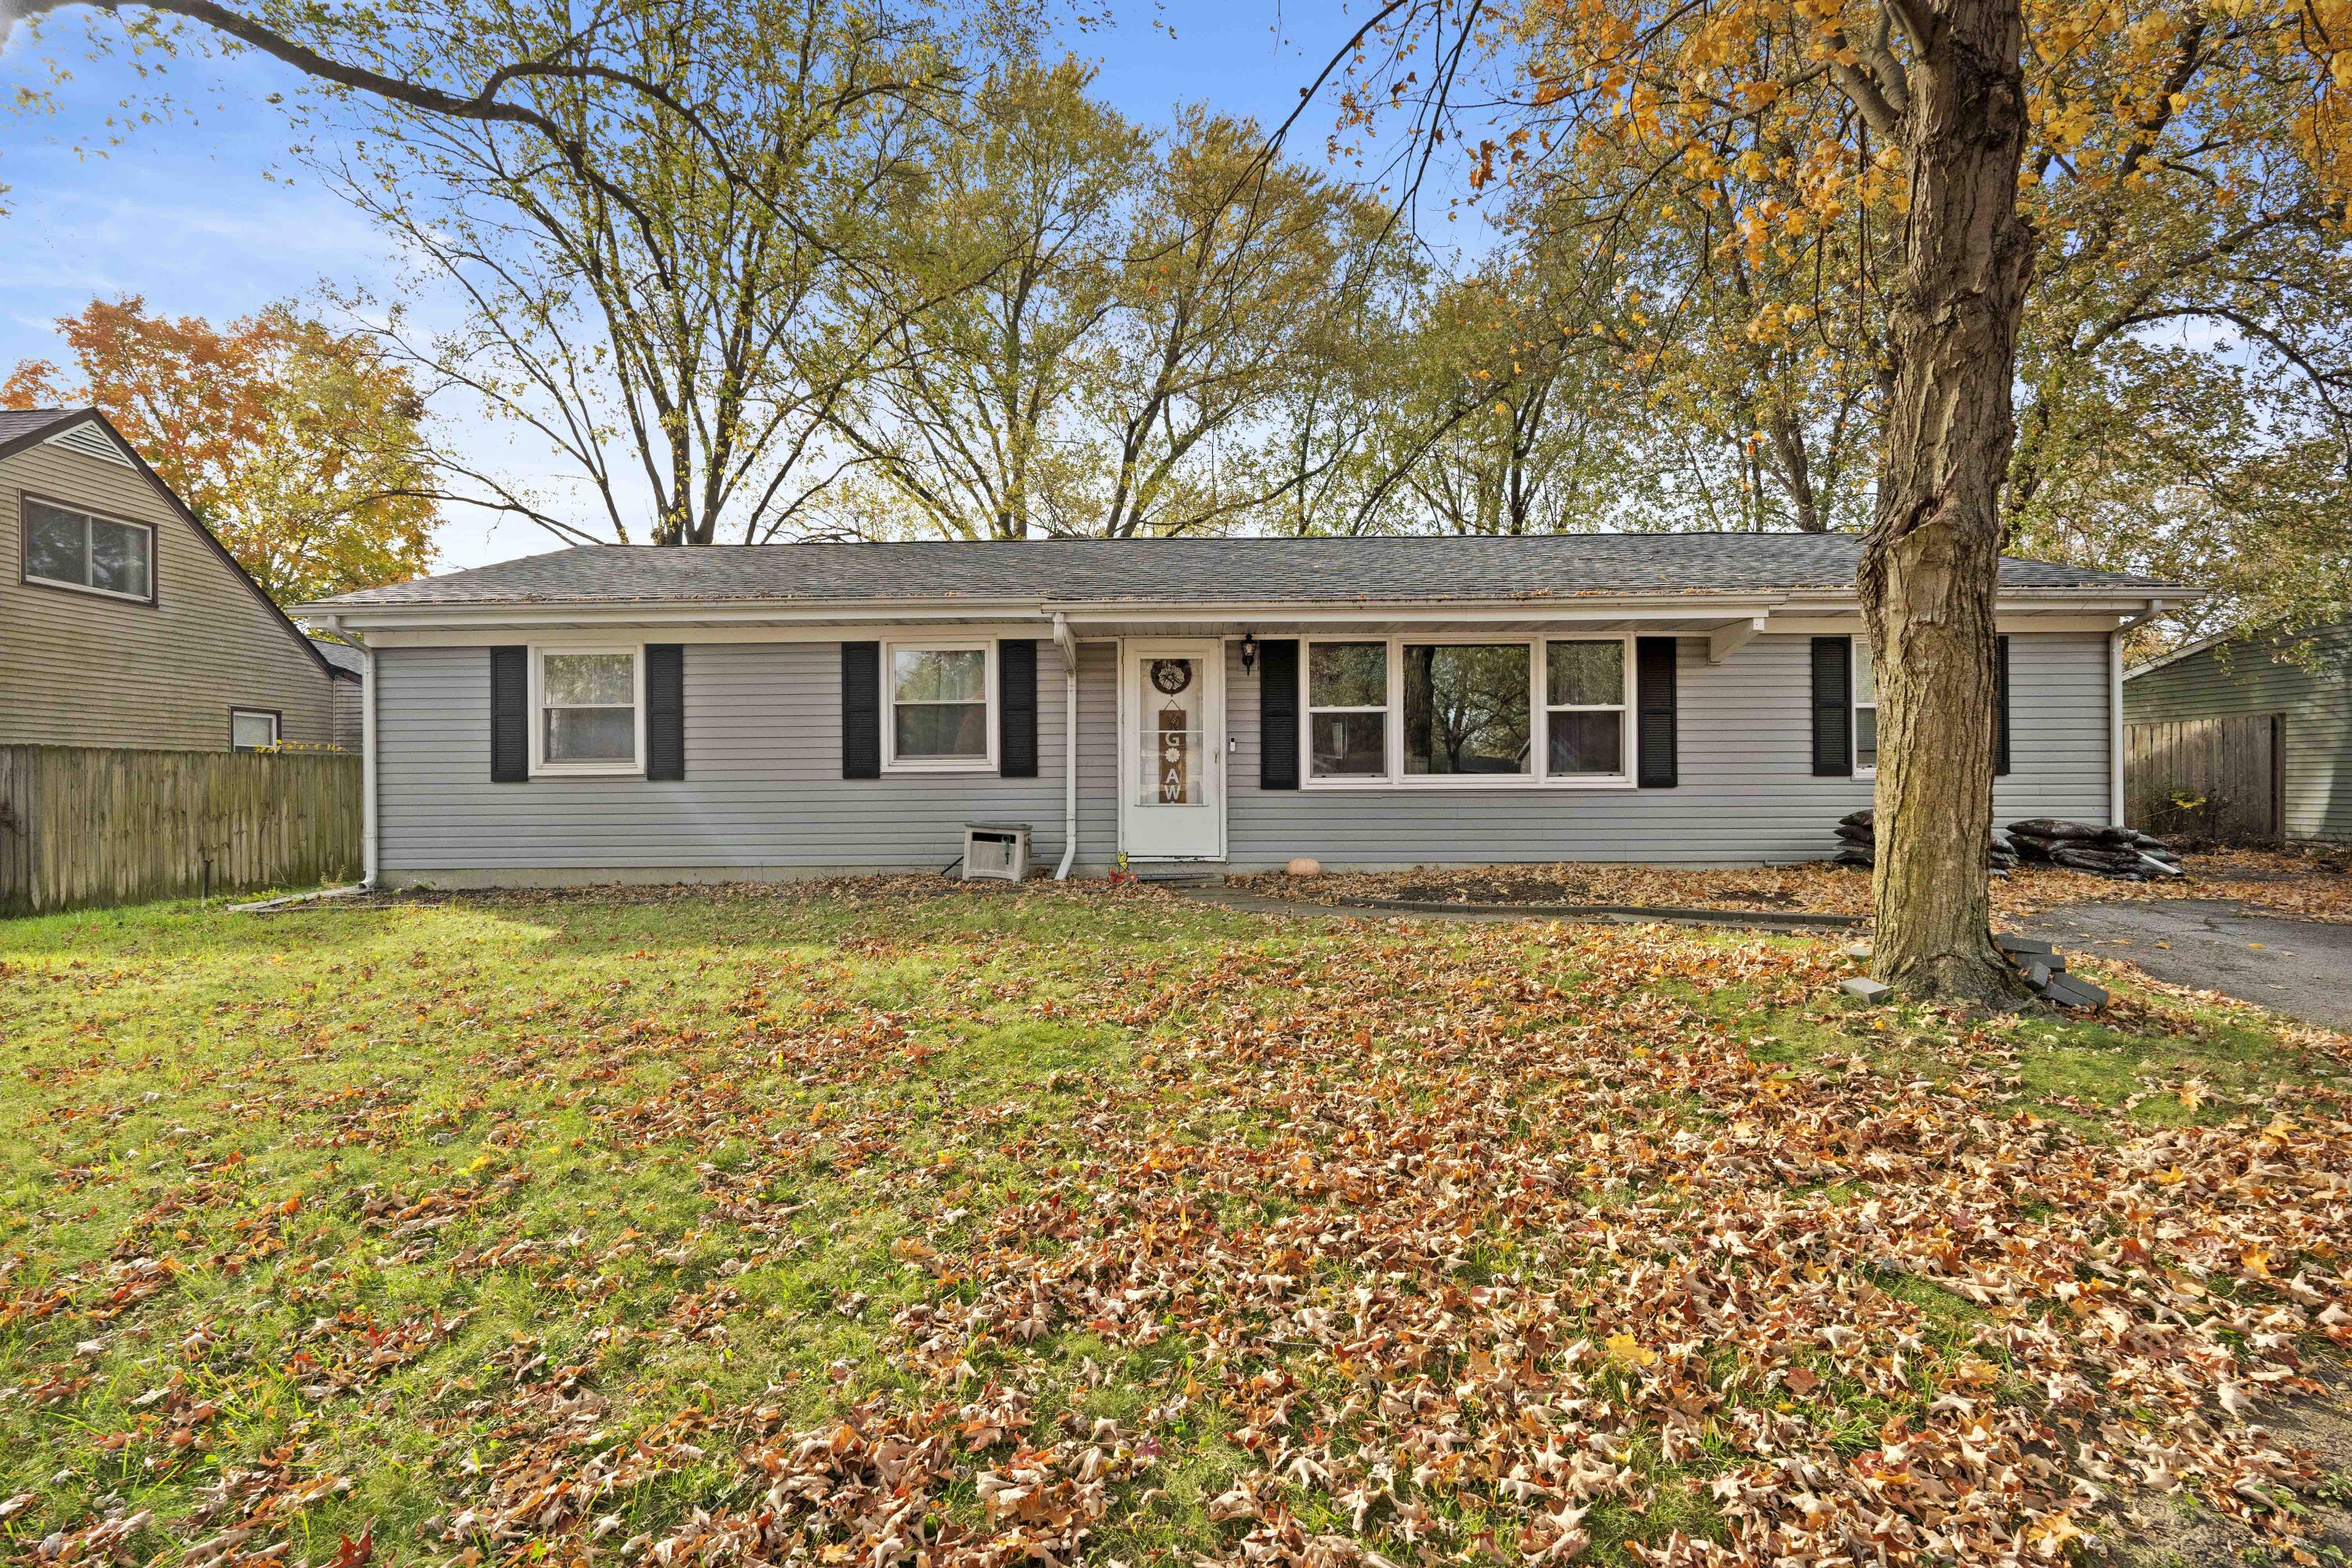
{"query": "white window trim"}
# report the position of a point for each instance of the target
(276, 727)
(1854, 705)
(1625, 709)
(894, 764)
(540, 766)
(1539, 776)
(87, 517)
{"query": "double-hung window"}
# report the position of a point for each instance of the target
(1585, 733)
(1865, 709)
(942, 696)
(1425, 711)
(68, 549)
(589, 711)
(1348, 710)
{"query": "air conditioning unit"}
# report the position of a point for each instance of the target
(996, 850)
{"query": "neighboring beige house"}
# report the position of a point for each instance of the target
(123, 622)
(350, 691)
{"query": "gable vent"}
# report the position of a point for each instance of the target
(91, 439)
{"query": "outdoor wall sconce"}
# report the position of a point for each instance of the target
(1249, 652)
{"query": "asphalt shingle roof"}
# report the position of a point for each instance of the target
(20, 422)
(341, 654)
(1162, 571)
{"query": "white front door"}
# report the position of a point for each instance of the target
(1171, 728)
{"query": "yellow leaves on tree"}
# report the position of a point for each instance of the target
(297, 446)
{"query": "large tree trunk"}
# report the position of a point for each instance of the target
(1930, 563)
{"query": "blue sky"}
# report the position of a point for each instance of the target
(204, 213)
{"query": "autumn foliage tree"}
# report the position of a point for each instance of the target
(1922, 116)
(297, 445)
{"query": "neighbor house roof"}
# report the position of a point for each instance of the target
(342, 657)
(1416, 569)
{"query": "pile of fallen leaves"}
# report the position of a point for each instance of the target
(2301, 886)
(1494, 1244)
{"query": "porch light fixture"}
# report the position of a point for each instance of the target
(1249, 652)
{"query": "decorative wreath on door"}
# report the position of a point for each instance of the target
(1171, 675)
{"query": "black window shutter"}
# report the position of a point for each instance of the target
(510, 715)
(1277, 713)
(1833, 708)
(861, 709)
(1017, 709)
(665, 712)
(1653, 736)
(2000, 705)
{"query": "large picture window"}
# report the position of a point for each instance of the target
(1465, 708)
(1584, 709)
(589, 709)
(1348, 710)
(940, 697)
(68, 549)
(1414, 712)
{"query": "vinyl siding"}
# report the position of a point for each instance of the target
(763, 794)
(2230, 679)
(77, 669)
(350, 716)
(1746, 794)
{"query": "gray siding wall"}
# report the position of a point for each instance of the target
(80, 669)
(1746, 794)
(2231, 678)
(350, 715)
(763, 791)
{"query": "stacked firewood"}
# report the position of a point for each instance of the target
(1858, 844)
(2119, 852)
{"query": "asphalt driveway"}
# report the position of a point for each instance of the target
(2300, 968)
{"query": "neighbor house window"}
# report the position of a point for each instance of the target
(939, 700)
(587, 711)
(1466, 709)
(1348, 710)
(68, 549)
(250, 728)
(1865, 709)
(1584, 709)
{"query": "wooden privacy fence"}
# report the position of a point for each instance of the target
(83, 826)
(2209, 778)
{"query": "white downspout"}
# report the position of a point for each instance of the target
(1069, 651)
(2116, 708)
(368, 865)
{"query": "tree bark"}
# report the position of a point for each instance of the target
(1931, 561)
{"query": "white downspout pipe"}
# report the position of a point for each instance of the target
(368, 828)
(2116, 708)
(1069, 651)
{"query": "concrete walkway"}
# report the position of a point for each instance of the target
(2300, 968)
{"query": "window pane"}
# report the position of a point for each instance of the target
(1465, 709)
(1585, 672)
(938, 674)
(1348, 745)
(592, 734)
(246, 730)
(942, 729)
(118, 557)
(1865, 737)
(1588, 743)
(1348, 675)
(1866, 673)
(586, 679)
(53, 544)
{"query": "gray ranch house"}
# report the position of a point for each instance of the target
(642, 713)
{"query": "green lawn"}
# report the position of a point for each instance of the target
(864, 1227)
